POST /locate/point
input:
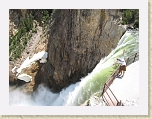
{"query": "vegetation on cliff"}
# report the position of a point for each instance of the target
(130, 16)
(16, 44)
(27, 26)
(26, 23)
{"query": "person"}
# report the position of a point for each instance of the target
(122, 63)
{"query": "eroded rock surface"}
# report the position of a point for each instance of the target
(78, 39)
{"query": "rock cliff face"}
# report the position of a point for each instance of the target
(78, 39)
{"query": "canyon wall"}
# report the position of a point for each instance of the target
(78, 39)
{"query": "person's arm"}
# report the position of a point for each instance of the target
(117, 61)
(123, 52)
(120, 60)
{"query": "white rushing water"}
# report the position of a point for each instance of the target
(77, 93)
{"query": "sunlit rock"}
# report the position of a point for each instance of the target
(28, 62)
(14, 69)
(25, 77)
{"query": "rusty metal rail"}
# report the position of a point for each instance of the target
(110, 98)
(110, 80)
(107, 93)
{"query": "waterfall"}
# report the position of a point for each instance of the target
(77, 93)
(93, 81)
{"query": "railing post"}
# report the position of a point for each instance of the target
(103, 90)
(119, 103)
(127, 61)
(135, 57)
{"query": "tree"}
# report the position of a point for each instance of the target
(130, 16)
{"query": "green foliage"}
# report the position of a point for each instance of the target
(34, 31)
(18, 42)
(46, 16)
(136, 25)
(127, 17)
(15, 46)
(131, 16)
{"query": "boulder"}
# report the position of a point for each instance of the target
(25, 77)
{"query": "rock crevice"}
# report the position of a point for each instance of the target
(78, 39)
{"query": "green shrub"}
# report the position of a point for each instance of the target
(127, 17)
(16, 46)
(130, 16)
(136, 25)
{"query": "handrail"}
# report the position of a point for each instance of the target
(110, 80)
(112, 95)
(112, 77)
(136, 55)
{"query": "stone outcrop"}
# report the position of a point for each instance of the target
(78, 39)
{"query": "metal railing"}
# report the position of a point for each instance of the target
(110, 80)
(132, 58)
(107, 93)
